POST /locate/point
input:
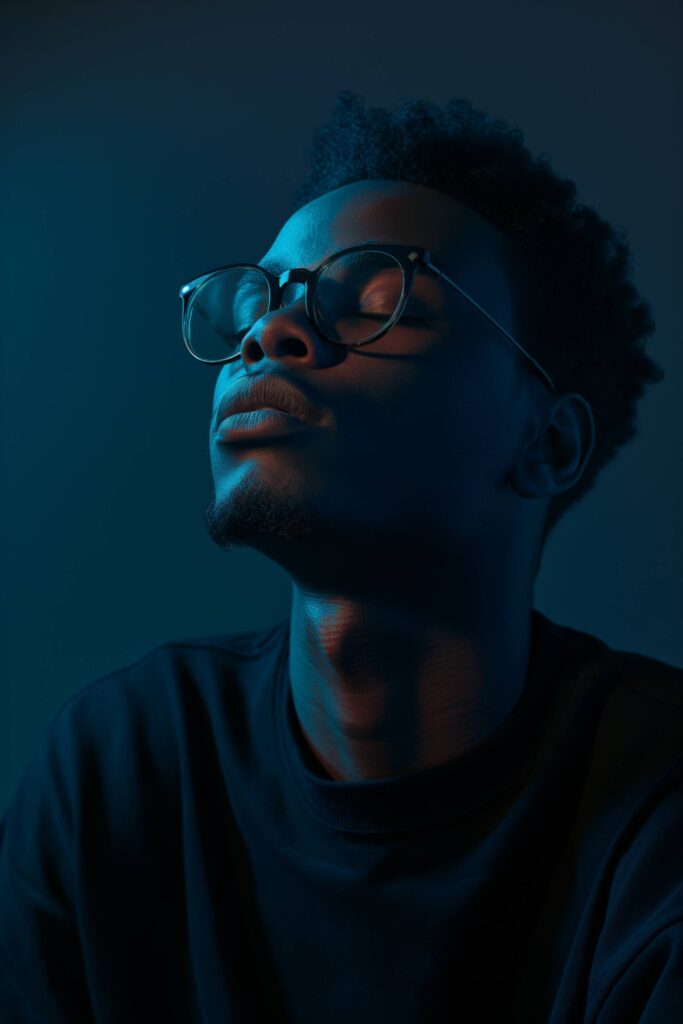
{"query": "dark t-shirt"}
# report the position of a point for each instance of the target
(174, 852)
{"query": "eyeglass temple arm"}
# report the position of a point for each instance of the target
(495, 323)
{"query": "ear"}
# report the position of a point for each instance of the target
(556, 456)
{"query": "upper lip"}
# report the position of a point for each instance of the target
(267, 390)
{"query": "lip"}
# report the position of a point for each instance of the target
(251, 393)
(256, 424)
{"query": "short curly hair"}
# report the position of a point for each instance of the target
(577, 311)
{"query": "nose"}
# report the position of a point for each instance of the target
(287, 335)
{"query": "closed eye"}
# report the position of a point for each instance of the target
(385, 316)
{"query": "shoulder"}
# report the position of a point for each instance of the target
(130, 723)
(644, 686)
(656, 681)
(632, 797)
(645, 706)
(190, 663)
(622, 715)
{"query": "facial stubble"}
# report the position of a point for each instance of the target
(254, 511)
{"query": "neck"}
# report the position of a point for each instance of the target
(389, 687)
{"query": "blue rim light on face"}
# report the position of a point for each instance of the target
(406, 256)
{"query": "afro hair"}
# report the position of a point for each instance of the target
(577, 311)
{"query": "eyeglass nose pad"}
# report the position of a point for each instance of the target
(286, 294)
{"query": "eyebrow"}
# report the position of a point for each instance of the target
(277, 268)
(272, 268)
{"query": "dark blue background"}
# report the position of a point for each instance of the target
(146, 145)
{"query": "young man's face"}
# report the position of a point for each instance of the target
(422, 426)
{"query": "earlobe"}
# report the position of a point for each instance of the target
(555, 459)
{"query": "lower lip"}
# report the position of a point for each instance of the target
(258, 423)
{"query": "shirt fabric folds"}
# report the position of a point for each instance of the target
(174, 852)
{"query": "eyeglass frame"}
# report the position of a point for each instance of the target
(409, 257)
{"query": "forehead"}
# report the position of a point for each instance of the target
(378, 210)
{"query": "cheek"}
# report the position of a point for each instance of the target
(421, 453)
(222, 384)
(453, 447)
(471, 404)
(448, 413)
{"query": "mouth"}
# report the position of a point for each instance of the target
(269, 391)
(257, 425)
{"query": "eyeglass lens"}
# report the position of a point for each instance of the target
(355, 296)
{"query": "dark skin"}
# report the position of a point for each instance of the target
(410, 520)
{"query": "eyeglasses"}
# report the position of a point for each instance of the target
(352, 298)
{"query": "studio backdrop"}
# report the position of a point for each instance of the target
(144, 144)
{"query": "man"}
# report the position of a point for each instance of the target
(416, 799)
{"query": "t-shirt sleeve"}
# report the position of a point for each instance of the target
(42, 976)
(650, 989)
